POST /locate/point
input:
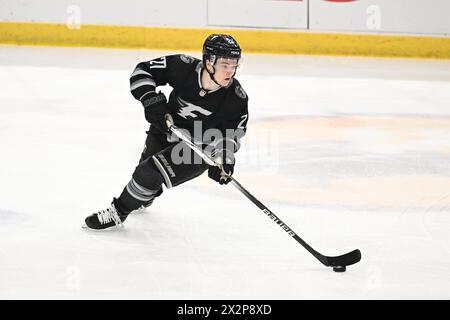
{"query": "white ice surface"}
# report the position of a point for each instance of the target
(349, 152)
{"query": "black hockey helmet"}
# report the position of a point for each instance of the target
(220, 46)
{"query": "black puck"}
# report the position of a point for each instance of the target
(339, 269)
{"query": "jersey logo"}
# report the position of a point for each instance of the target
(187, 59)
(240, 92)
(187, 109)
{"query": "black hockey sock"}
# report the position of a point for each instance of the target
(128, 203)
(144, 186)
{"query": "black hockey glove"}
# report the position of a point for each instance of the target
(216, 174)
(155, 108)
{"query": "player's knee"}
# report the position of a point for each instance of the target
(147, 175)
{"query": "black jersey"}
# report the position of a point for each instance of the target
(224, 108)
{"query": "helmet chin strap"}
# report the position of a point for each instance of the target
(211, 75)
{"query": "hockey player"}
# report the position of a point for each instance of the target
(206, 101)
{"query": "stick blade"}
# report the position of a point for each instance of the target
(345, 259)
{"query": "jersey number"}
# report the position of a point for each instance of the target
(241, 124)
(158, 63)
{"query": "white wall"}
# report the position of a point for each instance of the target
(258, 13)
(129, 12)
(396, 16)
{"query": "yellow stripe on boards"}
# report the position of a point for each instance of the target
(251, 40)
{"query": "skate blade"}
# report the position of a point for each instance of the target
(116, 227)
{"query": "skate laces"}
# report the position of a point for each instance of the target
(108, 215)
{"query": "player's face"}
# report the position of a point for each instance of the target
(225, 70)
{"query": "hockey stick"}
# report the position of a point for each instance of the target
(338, 263)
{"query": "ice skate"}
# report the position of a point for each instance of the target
(106, 218)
